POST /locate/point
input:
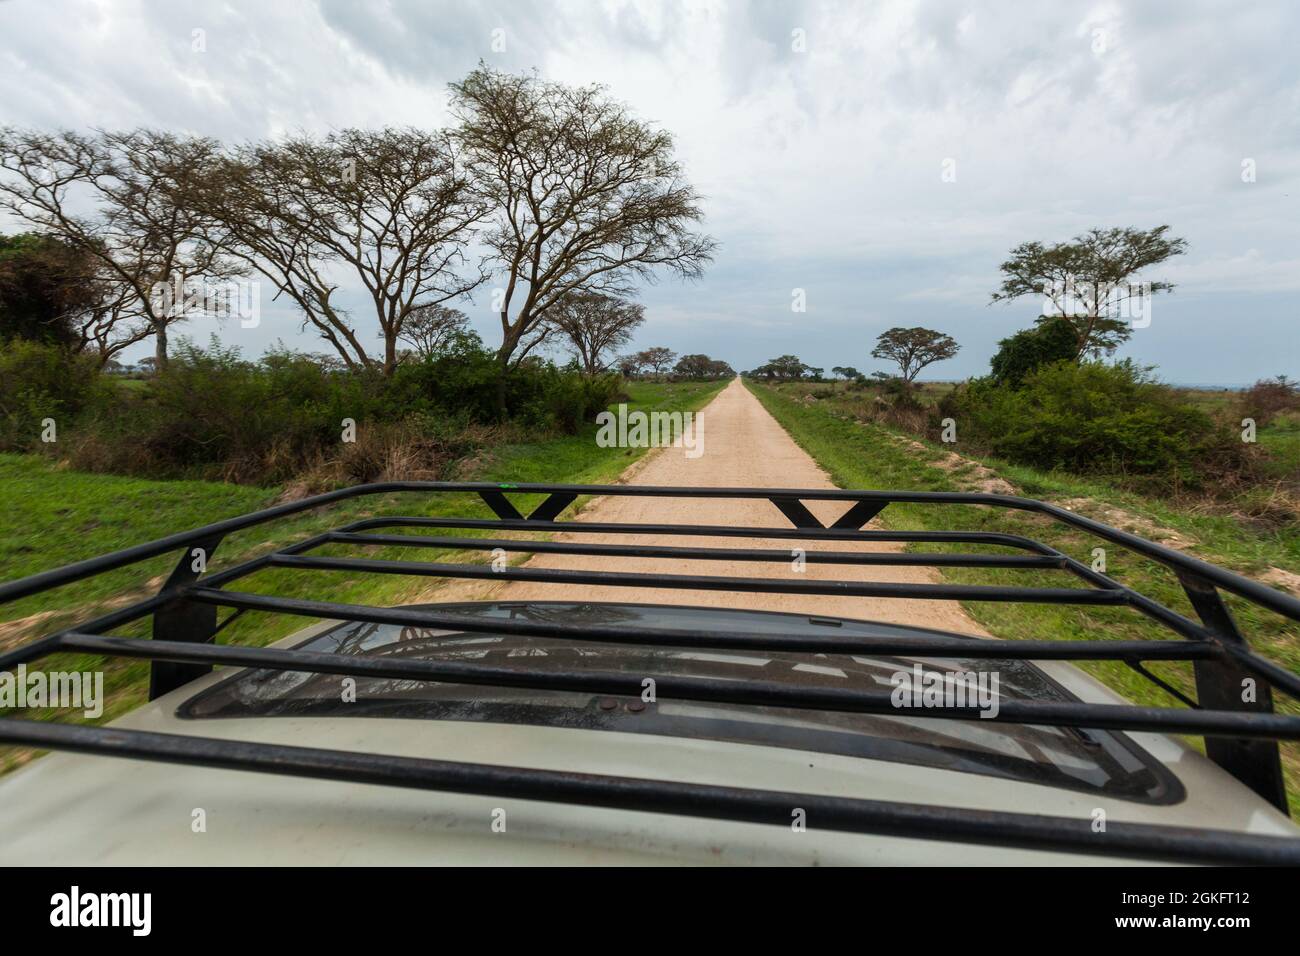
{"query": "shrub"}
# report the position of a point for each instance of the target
(1093, 417)
(40, 380)
(212, 414)
(418, 448)
(460, 379)
(1267, 399)
(1017, 356)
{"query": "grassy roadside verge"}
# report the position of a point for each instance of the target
(50, 517)
(865, 455)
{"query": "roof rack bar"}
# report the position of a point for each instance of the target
(31, 651)
(184, 620)
(182, 608)
(1171, 619)
(705, 689)
(938, 592)
(859, 514)
(1222, 685)
(1265, 596)
(839, 814)
(710, 531)
(500, 505)
(1181, 625)
(552, 506)
(797, 512)
(78, 570)
(1159, 681)
(908, 646)
(1158, 612)
(1262, 667)
(48, 644)
(774, 555)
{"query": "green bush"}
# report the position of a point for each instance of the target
(1092, 417)
(1052, 340)
(463, 381)
(38, 381)
(213, 414)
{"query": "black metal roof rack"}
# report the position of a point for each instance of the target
(1240, 735)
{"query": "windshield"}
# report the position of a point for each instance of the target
(1087, 760)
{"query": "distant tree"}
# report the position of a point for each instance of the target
(658, 359)
(913, 349)
(784, 367)
(431, 327)
(595, 325)
(584, 196)
(1022, 353)
(629, 365)
(702, 367)
(846, 371)
(1089, 280)
(1267, 399)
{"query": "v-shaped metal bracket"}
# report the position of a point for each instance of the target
(858, 514)
(548, 510)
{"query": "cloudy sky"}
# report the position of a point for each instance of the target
(817, 132)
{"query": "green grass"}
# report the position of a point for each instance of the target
(52, 516)
(1282, 439)
(865, 455)
(1269, 495)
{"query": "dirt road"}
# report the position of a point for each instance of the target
(743, 447)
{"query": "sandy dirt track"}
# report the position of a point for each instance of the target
(743, 447)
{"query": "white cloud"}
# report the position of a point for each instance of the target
(822, 168)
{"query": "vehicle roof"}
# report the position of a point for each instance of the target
(67, 808)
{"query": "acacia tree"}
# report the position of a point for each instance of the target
(913, 349)
(125, 201)
(845, 371)
(110, 325)
(1090, 280)
(786, 367)
(700, 366)
(629, 365)
(430, 328)
(393, 207)
(596, 325)
(584, 196)
(658, 359)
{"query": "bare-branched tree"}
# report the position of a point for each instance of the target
(110, 324)
(430, 328)
(125, 200)
(584, 196)
(596, 325)
(392, 206)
